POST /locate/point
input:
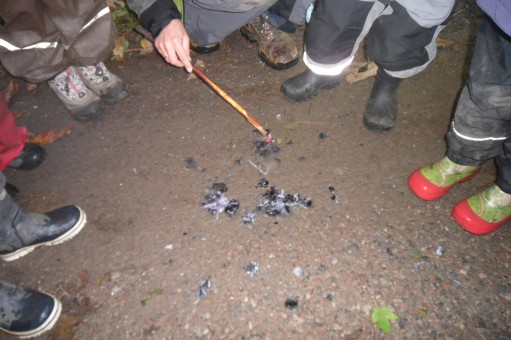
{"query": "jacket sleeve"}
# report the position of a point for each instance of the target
(155, 15)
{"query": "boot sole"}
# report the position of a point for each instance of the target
(89, 113)
(309, 96)
(468, 220)
(116, 98)
(377, 128)
(205, 49)
(62, 238)
(247, 35)
(46, 326)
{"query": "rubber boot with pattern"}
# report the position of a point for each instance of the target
(434, 181)
(484, 212)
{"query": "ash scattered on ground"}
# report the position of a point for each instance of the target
(216, 202)
(264, 149)
(263, 183)
(249, 218)
(275, 202)
(291, 303)
(203, 290)
(252, 269)
(334, 196)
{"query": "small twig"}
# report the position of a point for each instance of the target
(304, 122)
(259, 169)
(134, 50)
(458, 12)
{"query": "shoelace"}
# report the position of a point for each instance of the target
(266, 30)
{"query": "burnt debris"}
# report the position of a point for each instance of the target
(216, 202)
(334, 196)
(273, 202)
(204, 286)
(252, 269)
(264, 149)
(291, 303)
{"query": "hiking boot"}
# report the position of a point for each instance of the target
(381, 109)
(82, 102)
(21, 232)
(103, 83)
(26, 312)
(485, 212)
(434, 181)
(29, 158)
(307, 84)
(204, 49)
(276, 48)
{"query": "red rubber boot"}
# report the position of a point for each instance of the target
(485, 212)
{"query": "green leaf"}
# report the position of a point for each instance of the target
(383, 316)
(157, 291)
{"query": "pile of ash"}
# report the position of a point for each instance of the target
(273, 202)
(217, 203)
(264, 148)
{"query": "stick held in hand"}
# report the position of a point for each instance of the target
(218, 90)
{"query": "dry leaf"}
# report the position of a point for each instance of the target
(362, 72)
(10, 91)
(121, 45)
(31, 87)
(65, 328)
(200, 64)
(147, 47)
(446, 43)
(115, 3)
(50, 136)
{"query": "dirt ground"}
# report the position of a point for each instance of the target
(141, 171)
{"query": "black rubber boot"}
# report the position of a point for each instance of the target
(307, 84)
(12, 191)
(29, 158)
(381, 109)
(25, 312)
(21, 232)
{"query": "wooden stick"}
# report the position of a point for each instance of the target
(229, 99)
(215, 87)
